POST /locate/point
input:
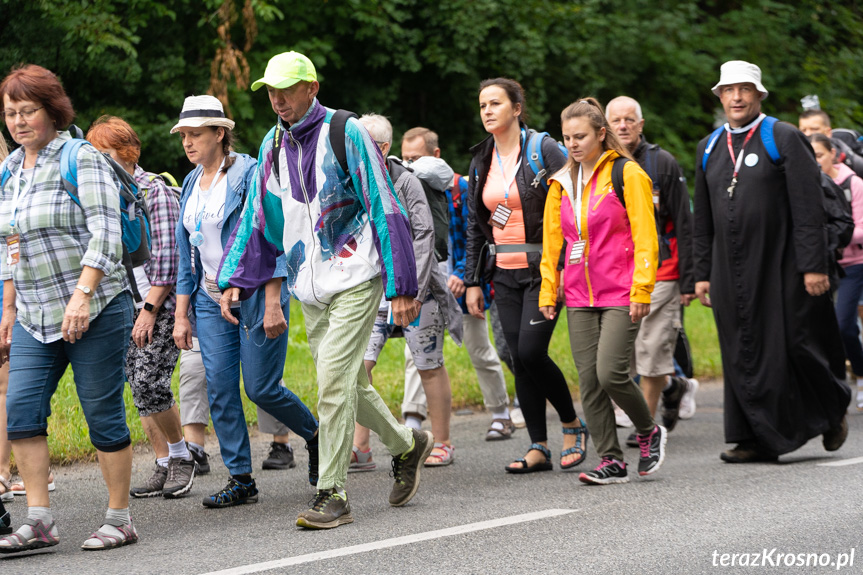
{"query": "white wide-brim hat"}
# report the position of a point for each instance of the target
(199, 111)
(740, 72)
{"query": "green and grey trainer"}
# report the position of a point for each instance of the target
(153, 486)
(327, 510)
(407, 466)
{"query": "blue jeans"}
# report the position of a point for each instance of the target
(224, 347)
(98, 361)
(847, 296)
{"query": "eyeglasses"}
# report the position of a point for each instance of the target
(26, 114)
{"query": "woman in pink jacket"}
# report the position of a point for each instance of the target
(610, 268)
(851, 285)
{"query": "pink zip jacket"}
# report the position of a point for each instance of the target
(853, 253)
(621, 252)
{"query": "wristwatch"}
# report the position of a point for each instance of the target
(149, 307)
(85, 289)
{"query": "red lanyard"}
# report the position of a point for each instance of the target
(739, 156)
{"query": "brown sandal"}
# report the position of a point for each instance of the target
(495, 434)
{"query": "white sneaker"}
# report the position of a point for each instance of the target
(620, 417)
(517, 417)
(687, 402)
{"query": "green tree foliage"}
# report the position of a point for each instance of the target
(420, 62)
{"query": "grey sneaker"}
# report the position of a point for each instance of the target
(407, 466)
(181, 476)
(328, 510)
(281, 456)
(153, 486)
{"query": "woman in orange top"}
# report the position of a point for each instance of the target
(505, 206)
(610, 268)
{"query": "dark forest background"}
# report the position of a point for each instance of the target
(419, 61)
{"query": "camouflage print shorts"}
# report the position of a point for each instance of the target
(424, 340)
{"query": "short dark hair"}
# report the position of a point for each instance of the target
(513, 90)
(37, 84)
(819, 138)
(812, 113)
(430, 138)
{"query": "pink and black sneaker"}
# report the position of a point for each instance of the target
(652, 448)
(609, 471)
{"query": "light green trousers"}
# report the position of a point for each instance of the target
(338, 335)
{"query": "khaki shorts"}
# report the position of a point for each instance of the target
(657, 338)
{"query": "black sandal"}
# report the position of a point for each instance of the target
(543, 466)
(580, 445)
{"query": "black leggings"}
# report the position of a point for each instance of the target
(528, 334)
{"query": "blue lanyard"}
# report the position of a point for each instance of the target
(507, 183)
(18, 193)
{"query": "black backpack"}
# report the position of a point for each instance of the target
(337, 126)
(846, 154)
(439, 209)
(664, 251)
(839, 225)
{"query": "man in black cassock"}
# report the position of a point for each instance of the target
(761, 262)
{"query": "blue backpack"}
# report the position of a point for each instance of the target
(134, 215)
(536, 161)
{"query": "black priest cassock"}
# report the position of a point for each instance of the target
(782, 355)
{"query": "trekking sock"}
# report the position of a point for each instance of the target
(179, 450)
(162, 461)
(503, 414)
(245, 478)
(42, 514)
(115, 516)
(414, 422)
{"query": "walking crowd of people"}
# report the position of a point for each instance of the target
(120, 272)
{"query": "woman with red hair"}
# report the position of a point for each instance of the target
(66, 301)
(152, 354)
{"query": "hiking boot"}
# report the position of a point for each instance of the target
(607, 472)
(407, 466)
(652, 450)
(687, 403)
(834, 438)
(671, 398)
(234, 493)
(312, 448)
(747, 453)
(281, 456)
(201, 458)
(181, 476)
(153, 486)
(327, 510)
(361, 461)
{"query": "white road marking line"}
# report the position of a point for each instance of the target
(842, 462)
(394, 542)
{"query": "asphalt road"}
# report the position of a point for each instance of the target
(472, 517)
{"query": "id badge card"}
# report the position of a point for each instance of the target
(12, 249)
(656, 196)
(212, 287)
(391, 320)
(500, 216)
(577, 252)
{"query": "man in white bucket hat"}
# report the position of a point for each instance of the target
(323, 197)
(761, 261)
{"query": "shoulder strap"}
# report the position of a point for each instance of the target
(768, 140)
(710, 144)
(617, 178)
(337, 136)
(534, 151)
(278, 135)
(172, 181)
(69, 167)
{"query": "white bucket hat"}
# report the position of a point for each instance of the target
(199, 111)
(739, 72)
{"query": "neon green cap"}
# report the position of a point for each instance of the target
(285, 70)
